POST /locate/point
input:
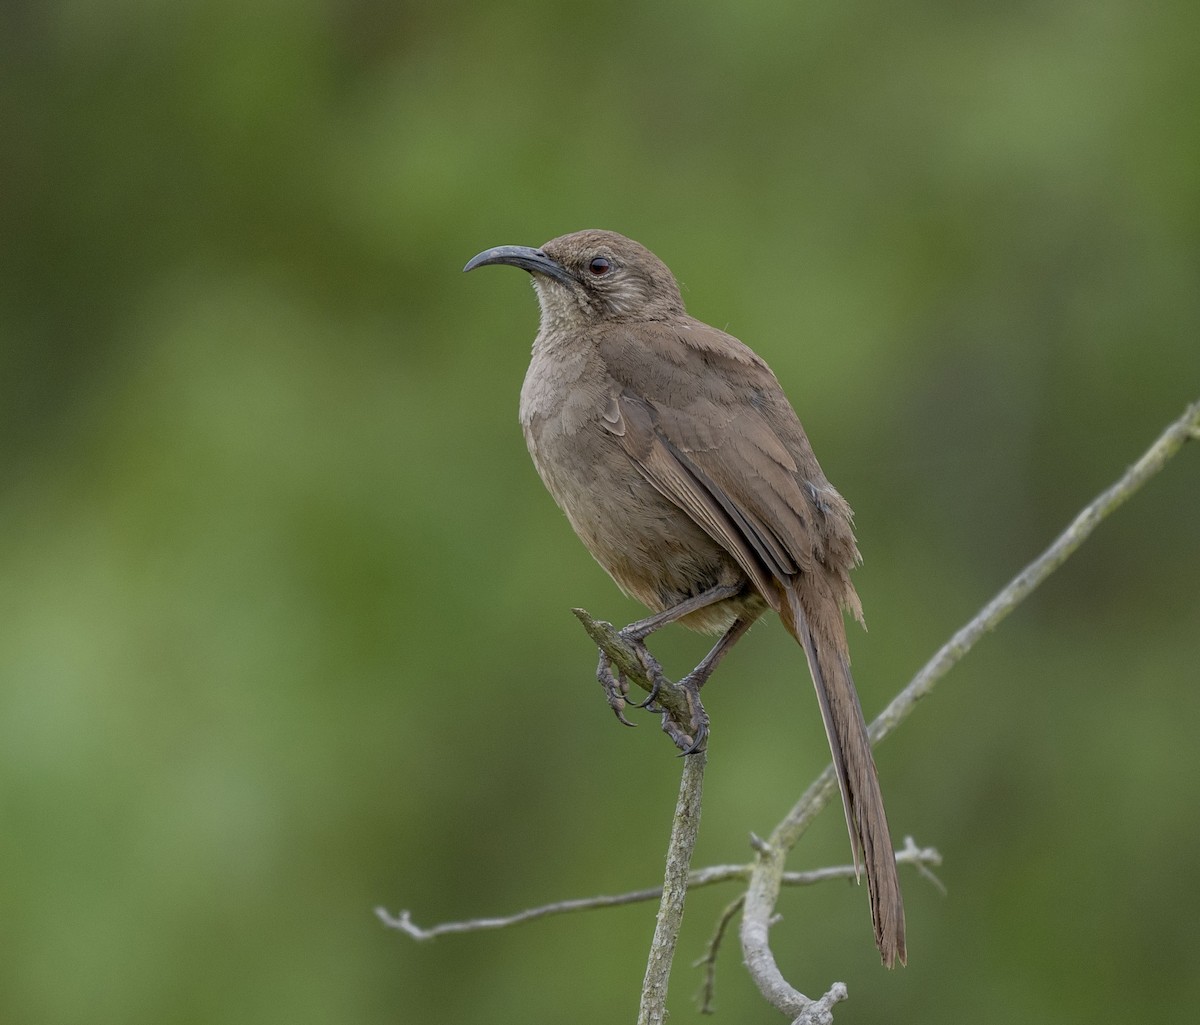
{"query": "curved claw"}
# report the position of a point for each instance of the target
(698, 744)
(615, 689)
(649, 697)
(689, 737)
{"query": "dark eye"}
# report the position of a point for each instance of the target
(599, 266)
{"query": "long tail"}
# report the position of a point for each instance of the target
(866, 819)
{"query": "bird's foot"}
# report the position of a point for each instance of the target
(616, 687)
(683, 717)
(637, 641)
(690, 736)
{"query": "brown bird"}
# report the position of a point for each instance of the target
(678, 460)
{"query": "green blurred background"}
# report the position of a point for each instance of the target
(285, 628)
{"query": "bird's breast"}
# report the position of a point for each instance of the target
(647, 544)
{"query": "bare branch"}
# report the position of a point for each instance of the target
(761, 895)
(763, 890)
(1019, 588)
(911, 854)
(685, 826)
(405, 924)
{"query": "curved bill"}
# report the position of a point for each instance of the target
(525, 257)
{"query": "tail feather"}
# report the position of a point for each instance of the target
(866, 820)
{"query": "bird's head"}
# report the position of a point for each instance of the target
(593, 276)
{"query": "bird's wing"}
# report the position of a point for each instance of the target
(632, 421)
(705, 420)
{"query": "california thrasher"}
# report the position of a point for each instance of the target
(678, 460)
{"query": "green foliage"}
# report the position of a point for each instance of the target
(285, 627)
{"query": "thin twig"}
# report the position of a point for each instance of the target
(763, 890)
(920, 857)
(405, 924)
(1187, 427)
(684, 827)
(709, 961)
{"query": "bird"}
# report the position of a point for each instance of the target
(684, 470)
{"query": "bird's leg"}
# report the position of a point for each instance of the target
(636, 633)
(689, 735)
(697, 730)
(698, 677)
(643, 628)
(616, 687)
